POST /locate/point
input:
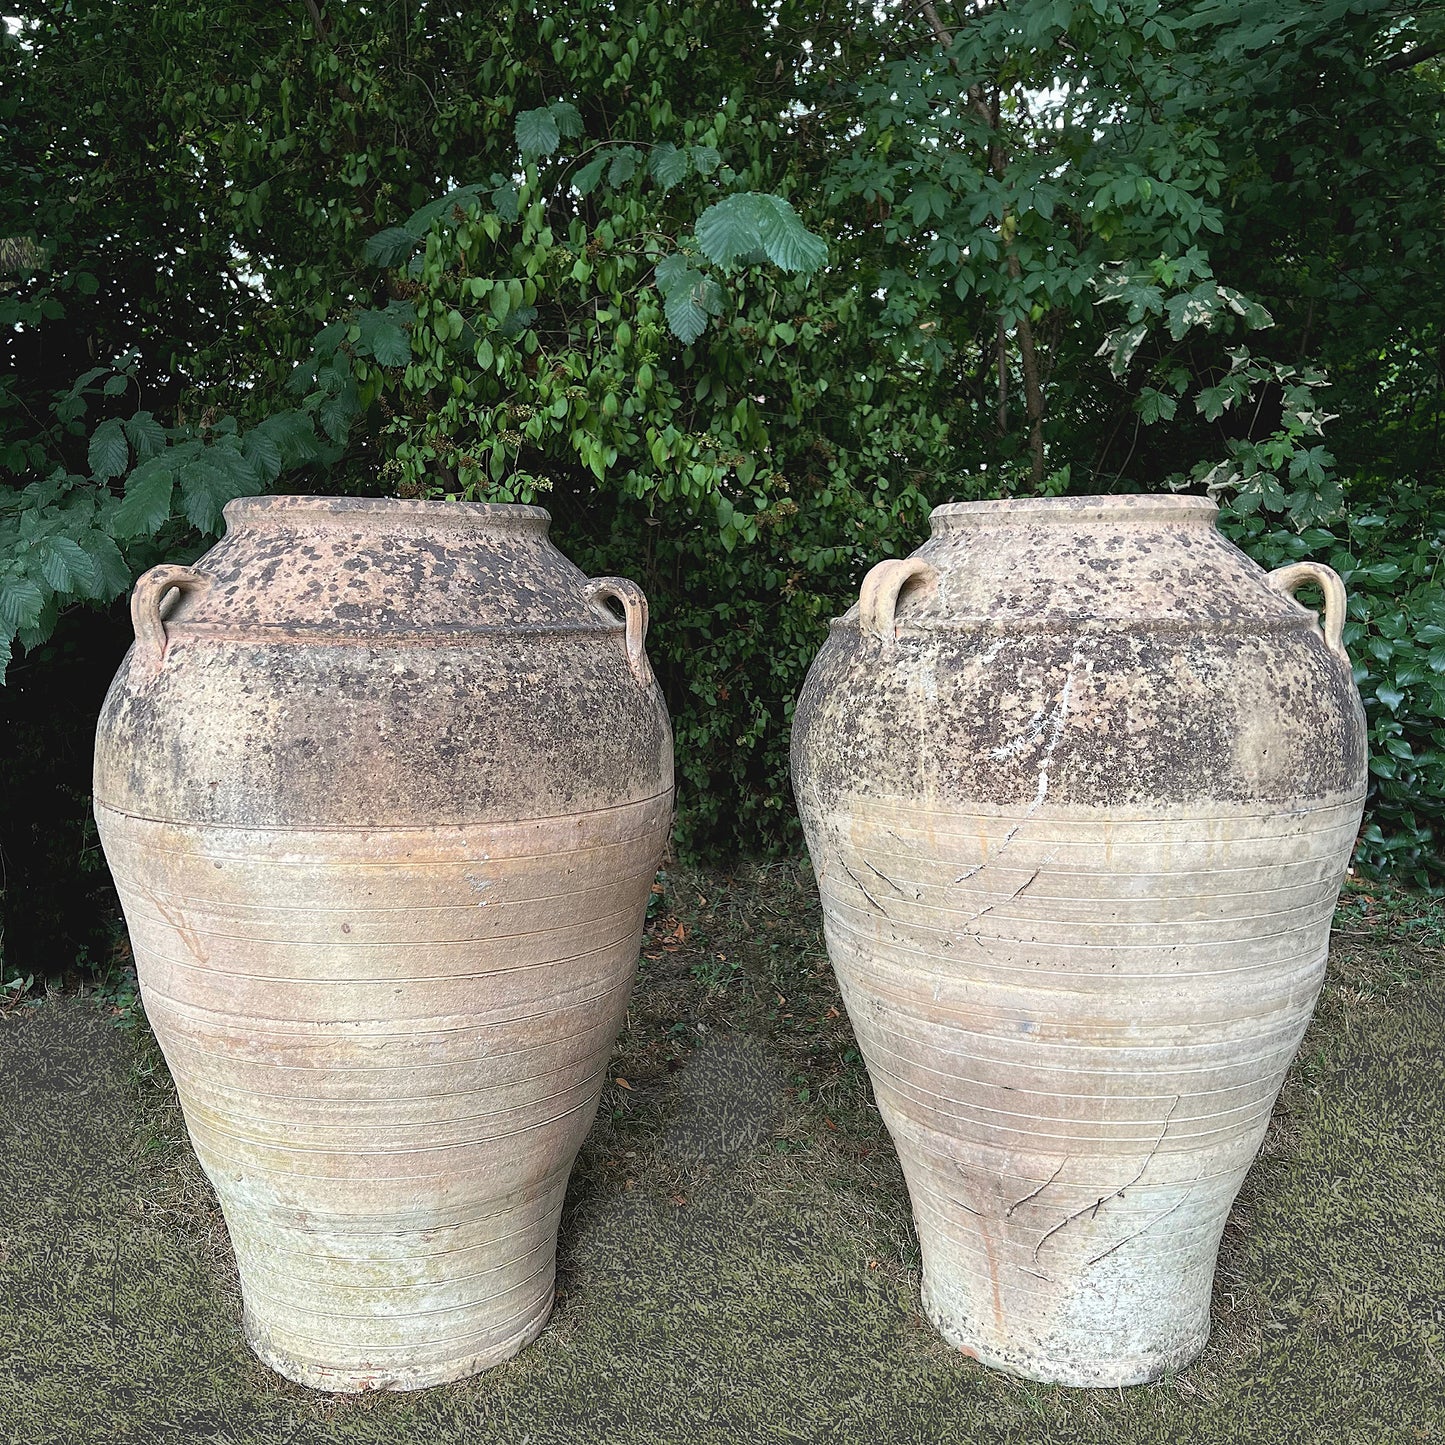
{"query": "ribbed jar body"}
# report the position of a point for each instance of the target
(1080, 783)
(384, 792)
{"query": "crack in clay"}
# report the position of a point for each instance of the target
(1034, 1193)
(859, 884)
(901, 892)
(989, 907)
(1158, 1219)
(1092, 1210)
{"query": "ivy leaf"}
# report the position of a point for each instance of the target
(537, 134)
(21, 602)
(146, 434)
(147, 502)
(392, 247)
(66, 566)
(109, 455)
(668, 166)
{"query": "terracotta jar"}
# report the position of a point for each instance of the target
(1080, 783)
(384, 786)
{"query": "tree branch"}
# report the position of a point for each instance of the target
(322, 33)
(1418, 56)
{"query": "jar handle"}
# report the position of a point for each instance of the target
(634, 608)
(878, 597)
(1287, 580)
(145, 607)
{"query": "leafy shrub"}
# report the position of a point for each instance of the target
(1389, 554)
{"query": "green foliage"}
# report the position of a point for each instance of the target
(1389, 554)
(739, 294)
(72, 537)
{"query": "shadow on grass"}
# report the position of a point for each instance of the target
(736, 1258)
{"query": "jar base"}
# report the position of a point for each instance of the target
(402, 1377)
(1081, 1370)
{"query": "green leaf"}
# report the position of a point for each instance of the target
(392, 247)
(537, 133)
(21, 603)
(789, 244)
(585, 181)
(623, 167)
(146, 434)
(705, 158)
(212, 480)
(505, 201)
(112, 575)
(294, 436)
(673, 271)
(444, 208)
(685, 315)
(335, 415)
(384, 339)
(146, 506)
(261, 450)
(115, 384)
(500, 301)
(568, 119)
(109, 455)
(730, 228)
(668, 166)
(66, 566)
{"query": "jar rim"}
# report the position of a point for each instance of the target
(250, 510)
(954, 515)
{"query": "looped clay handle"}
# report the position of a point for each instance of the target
(151, 590)
(878, 597)
(634, 607)
(1288, 580)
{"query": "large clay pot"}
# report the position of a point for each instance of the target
(1080, 783)
(384, 791)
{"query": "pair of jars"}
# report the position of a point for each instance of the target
(384, 787)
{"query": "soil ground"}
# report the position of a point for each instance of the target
(736, 1257)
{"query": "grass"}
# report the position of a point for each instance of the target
(736, 1258)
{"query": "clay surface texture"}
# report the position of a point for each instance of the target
(384, 786)
(1080, 783)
